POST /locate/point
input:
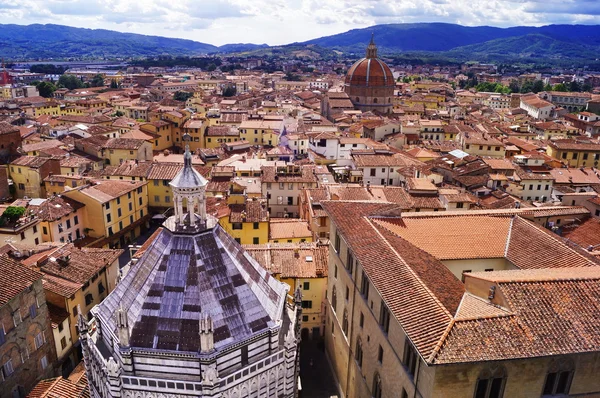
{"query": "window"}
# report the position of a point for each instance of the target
(384, 317)
(337, 242)
(304, 318)
(306, 303)
(156, 198)
(2, 335)
(89, 299)
(45, 230)
(141, 201)
(101, 288)
(119, 213)
(130, 206)
(32, 311)
(558, 379)
(155, 184)
(35, 228)
(39, 340)
(108, 218)
(237, 225)
(345, 322)
(17, 318)
(575, 155)
(377, 392)
(361, 321)
(44, 362)
(108, 206)
(7, 368)
(373, 171)
(409, 359)
(22, 235)
(334, 299)
(335, 269)
(358, 354)
(255, 225)
(349, 261)
(63, 343)
(364, 285)
(306, 286)
(75, 311)
(290, 200)
(380, 355)
(404, 393)
(490, 383)
(238, 240)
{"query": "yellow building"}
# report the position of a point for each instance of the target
(28, 173)
(160, 196)
(481, 145)
(261, 132)
(247, 223)
(50, 107)
(217, 135)
(289, 230)
(115, 211)
(575, 153)
(196, 128)
(57, 183)
(26, 231)
(301, 266)
(75, 280)
(118, 150)
(62, 219)
(161, 131)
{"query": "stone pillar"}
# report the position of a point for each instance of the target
(179, 209)
(210, 381)
(206, 334)
(190, 209)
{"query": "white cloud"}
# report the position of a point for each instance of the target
(284, 21)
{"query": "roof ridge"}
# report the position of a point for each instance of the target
(423, 285)
(508, 236)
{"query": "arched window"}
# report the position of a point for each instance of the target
(357, 99)
(376, 386)
(559, 377)
(374, 100)
(334, 300)
(490, 383)
(358, 355)
(345, 322)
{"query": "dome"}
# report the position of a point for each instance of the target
(370, 72)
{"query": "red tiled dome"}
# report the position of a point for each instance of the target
(370, 72)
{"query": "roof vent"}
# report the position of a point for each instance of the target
(492, 293)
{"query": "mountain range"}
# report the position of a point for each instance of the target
(483, 43)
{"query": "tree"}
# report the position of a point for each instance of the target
(527, 87)
(547, 87)
(118, 114)
(97, 81)
(182, 96)
(46, 89)
(211, 67)
(586, 87)
(574, 86)
(229, 92)
(70, 81)
(514, 86)
(538, 86)
(13, 213)
(560, 87)
(114, 84)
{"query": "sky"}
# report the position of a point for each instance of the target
(276, 22)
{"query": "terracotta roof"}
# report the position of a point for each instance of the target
(7, 128)
(164, 171)
(60, 286)
(130, 168)
(251, 211)
(57, 314)
(56, 207)
(588, 145)
(288, 260)
(306, 174)
(370, 72)
(421, 293)
(106, 190)
(14, 278)
(548, 317)
(82, 263)
(288, 228)
(124, 143)
(30, 161)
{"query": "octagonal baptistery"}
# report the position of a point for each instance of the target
(370, 83)
(195, 316)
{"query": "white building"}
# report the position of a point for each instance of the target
(195, 316)
(536, 107)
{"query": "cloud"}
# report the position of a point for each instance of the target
(285, 21)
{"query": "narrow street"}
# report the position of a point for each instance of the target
(315, 373)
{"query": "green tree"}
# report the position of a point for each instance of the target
(547, 87)
(182, 96)
(46, 89)
(211, 67)
(118, 114)
(13, 213)
(514, 86)
(229, 92)
(538, 86)
(406, 79)
(97, 81)
(575, 86)
(70, 81)
(113, 84)
(560, 87)
(527, 87)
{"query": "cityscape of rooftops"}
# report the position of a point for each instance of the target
(299, 199)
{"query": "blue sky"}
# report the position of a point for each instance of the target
(284, 21)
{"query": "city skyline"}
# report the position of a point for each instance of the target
(281, 21)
